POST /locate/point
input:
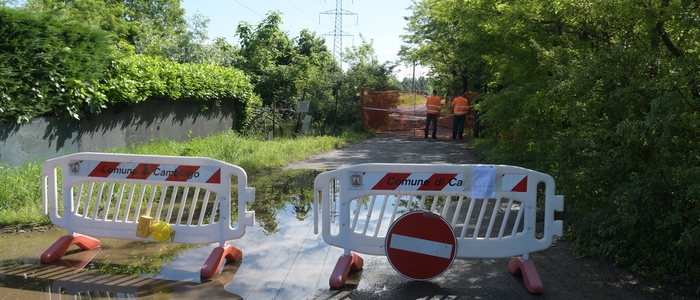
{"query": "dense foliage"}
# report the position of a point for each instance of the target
(285, 71)
(137, 78)
(49, 66)
(603, 95)
(54, 67)
(150, 34)
(129, 21)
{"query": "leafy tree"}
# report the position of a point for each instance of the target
(166, 16)
(187, 47)
(128, 20)
(602, 95)
(439, 39)
(286, 70)
(364, 71)
(267, 53)
(52, 65)
(8, 3)
(629, 107)
(105, 15)
(317, 74)
(161, 23)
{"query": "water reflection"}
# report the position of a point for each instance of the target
(282, 257)
(67, 278)
(290, 191)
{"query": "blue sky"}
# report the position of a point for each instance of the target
(381, 21)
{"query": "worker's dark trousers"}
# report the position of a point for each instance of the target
(458, 126)
(432, 118)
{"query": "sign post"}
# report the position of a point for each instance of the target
(421, 245)
(302, 107)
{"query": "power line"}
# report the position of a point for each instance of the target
(301, 11)
(248, 8)
(324, 9)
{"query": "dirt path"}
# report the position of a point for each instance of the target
(565, 275)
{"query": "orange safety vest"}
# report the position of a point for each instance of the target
(433, 104)
(461, 105)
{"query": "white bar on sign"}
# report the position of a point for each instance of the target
(421, 246)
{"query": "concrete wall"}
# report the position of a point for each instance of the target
(150, 120)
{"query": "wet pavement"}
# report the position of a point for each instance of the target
(284, 259)
(279, 248)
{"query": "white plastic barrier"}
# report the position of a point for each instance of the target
(492, 209)
(180, 199)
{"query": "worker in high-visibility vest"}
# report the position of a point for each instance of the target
(433, 105)
(460, 106)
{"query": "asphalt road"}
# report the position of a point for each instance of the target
(390, 148)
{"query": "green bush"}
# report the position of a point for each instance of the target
(135, 78)
(52, 68)
(49, 66)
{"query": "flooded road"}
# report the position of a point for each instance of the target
(282, 257)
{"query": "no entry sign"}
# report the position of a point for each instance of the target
(421, 245)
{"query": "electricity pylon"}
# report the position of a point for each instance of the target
(338, 32)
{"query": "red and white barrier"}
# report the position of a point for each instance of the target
(107, 195)
(491, 208)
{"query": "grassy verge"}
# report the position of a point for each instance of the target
(412, 99)
(20, 188)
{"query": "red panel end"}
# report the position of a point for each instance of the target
(59, 248)
(342, 268)
(217, 258)
(531, 278)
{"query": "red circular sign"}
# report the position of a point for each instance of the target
(420, 245)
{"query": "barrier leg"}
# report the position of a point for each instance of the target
(531, 278)
(342, 268)
(59, 248)
(217, 258)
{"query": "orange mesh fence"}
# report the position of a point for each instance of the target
(404, 113)
(377, 108)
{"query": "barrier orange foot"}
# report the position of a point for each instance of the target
(342, 268)
(527, 268)
(59, 248)
(217, 258)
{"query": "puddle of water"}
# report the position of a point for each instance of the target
(282, 257)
